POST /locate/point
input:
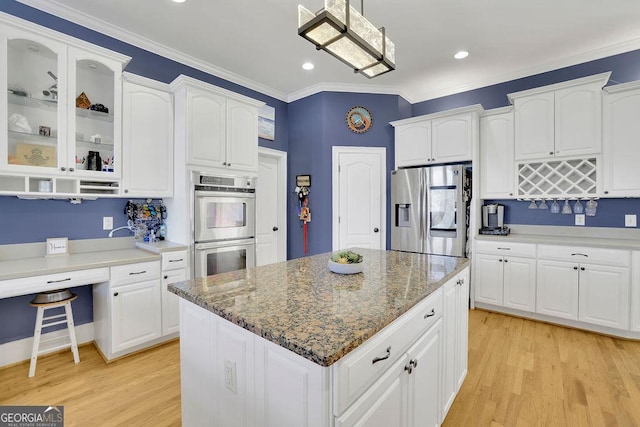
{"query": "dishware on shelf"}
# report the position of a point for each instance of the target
(555, 207)
(543, 205)
(533, 205)
(591, 208)
(566, 208)
(578, 208)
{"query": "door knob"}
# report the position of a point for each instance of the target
(375, 230)
(275, 228)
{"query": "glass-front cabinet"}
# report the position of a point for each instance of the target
(62, 109)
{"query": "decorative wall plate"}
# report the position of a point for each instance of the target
(359, 119)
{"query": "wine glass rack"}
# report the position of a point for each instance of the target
(570, 178)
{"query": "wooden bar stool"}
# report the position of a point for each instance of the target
(45, 301)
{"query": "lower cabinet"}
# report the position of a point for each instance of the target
(591, 293)
(408, 394)
(174, 270)
(127, 309)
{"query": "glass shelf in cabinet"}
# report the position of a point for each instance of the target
(32, 137)
(95, 144)
(26, 101)
(95, 115)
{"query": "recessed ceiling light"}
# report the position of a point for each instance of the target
(179, 1)
(308, 66)
(462, 54)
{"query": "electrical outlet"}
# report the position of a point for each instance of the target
(230, 375)
(630, 221)
(579, 219)
(107, 223)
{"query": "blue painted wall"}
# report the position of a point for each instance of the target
(318, 123)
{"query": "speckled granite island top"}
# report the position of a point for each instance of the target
(303, 307)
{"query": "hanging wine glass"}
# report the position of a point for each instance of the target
(543, 205)
(555, 207)
(533, 205)
(578, 208)
(566, 208)
(590, 210)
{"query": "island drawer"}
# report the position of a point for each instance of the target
(174, 260)
(135, 273)
(358, 370)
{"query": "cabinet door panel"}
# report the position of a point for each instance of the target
(413, 144)
(604, 295)
(578, 120)
(520, 283)
(449, 346)
(206, 113)
(496, 156)
(451, 138)
(489, 278)
(557, 289)
(424, 381)
(534, 126)
(170, 310)
(621, 143)
(136, 314)
(462, 328)
(242, 136)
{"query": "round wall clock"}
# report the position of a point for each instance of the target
(359, 119)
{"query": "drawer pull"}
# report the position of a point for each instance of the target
(378, 359)
(176, 260)
(584, 255)
(504, 249)
(134, 273)
(431, 313)
(58, 281)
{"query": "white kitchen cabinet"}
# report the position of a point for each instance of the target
(563, 119)
(635, 291)
(591, 285)
(497, 176)
(621, 140)
(47, 137)
(506, 274)
(456, 323)
(128, 309)
(219, 127)
(147, 138)
(174, 270)
(444, 137)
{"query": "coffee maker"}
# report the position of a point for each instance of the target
(493, 220)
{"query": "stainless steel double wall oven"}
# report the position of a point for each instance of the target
(224, 223)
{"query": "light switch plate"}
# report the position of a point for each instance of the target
(630, 221)
(107, 223)
(579, 219)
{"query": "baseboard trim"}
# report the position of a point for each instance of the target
(15, 352)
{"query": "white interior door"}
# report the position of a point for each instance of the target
(271, 229)
(359, 197)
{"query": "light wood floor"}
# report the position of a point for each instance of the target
(521, 373)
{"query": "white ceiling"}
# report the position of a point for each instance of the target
(255, 43)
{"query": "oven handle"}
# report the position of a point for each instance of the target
(225, 243)
(227, 194)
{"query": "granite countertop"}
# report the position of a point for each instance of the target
(303, 307)
(600, 237)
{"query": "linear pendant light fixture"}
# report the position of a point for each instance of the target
(341, 31)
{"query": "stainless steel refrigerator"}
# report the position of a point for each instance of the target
(429, 209)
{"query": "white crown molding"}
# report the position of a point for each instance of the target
(54, 8)
(580, 58)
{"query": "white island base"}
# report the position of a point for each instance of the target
(233, 377)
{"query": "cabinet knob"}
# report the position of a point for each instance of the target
(551, 153)
(575, 268)
(510, 194)
(115, 294)
(461, 281)
(506, 260)
(229, 164)
(581, 268)
(413, 363)
(166, 277)
(500, 259)
(71, 169)
(126, 191)
(275, 228)
(224, 163)
(375, 230)
(606, 192)
(63, 169)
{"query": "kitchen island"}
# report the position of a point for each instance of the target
(294, 344)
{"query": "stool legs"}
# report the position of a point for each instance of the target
(72, 332)
(36, 342)
(37, 333)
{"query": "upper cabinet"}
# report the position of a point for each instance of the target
(497, 171)
(444, 137)
(621, 135)
(560, 120)
(62, 105)
(147, 138)
(219, 128)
